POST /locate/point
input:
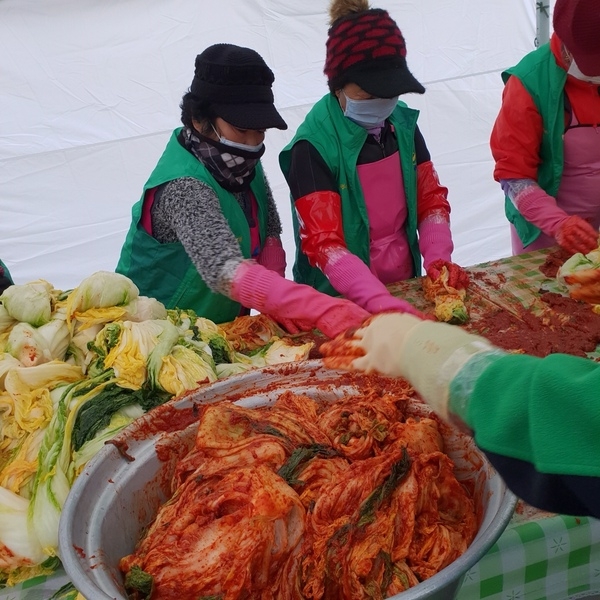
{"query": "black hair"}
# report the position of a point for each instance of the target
(192, 108)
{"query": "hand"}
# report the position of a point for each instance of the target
(383, 303)
(575, 234)
(427, 354)
(293, 326)
(340, 316)
(256, 287)
(350, 276)
(458, 278)
(376, 346)
(584, 285)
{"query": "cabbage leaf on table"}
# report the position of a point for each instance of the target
(580, 275)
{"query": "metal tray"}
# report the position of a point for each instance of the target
(122, 487)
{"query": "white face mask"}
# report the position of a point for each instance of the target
(575, 71)
(369, 113)
(238, 145)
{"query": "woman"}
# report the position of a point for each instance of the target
(206, 233)
(367, 200)
(545, 139)
(536, 419)
(5, 278)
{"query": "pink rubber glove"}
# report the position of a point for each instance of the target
(435, 240)
(572, 233)
(272, 256)
(256, 287)
(350, 276)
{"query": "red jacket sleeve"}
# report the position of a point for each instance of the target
(320, 220)
(431, 194)
(516, 135)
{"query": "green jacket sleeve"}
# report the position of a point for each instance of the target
(545, 411)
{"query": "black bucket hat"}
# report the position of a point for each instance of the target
(236, 83)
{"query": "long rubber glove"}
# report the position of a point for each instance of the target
(272, 256)
(428, 354)
(350, 276)
(435, 239)
(322, 239)
(256, 287)
(572, 233)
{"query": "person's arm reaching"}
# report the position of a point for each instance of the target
(572, 233)
(272, 255)
(322, 237)
(433, 217)
(537, 420)
(433, 208)
(189, 211)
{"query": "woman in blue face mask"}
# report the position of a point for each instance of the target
(205, 235)
(368, 207)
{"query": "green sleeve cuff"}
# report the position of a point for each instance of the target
(463, 384)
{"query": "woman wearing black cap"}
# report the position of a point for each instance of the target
(545, 139)
(367, 200)
(205, 234)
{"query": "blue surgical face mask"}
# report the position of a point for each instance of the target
(237, 145)
(369, 113)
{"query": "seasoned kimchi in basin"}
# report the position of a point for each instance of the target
(120, 492)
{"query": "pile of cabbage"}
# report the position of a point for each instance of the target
(75, 368)
(580, 274)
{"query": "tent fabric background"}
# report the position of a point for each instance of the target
(90, 93)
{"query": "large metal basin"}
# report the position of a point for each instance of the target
(122, 487)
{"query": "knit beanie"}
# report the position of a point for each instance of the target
(577, 24)
(365, 47)
(236, 83)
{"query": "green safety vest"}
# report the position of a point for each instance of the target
(545, 82)
(165, 271)
(339, 141)
(6, 272)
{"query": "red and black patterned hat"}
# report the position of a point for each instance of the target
(577, 24)
(368, 49)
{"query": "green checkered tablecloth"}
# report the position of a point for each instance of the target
(538, 558)
(551, 558)
(511, 283)
(38, 588)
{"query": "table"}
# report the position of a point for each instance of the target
(539, 556)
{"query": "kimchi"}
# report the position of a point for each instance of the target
(305, 500)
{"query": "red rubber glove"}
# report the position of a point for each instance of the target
(575, 234)
(256, 287)
(457, 276)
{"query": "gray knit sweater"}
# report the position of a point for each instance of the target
(188, 211)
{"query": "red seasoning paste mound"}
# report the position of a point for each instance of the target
(553, 262)
(571, 327)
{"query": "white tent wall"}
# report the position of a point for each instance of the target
(91, 89)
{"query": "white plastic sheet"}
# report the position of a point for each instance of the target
(91, 89)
